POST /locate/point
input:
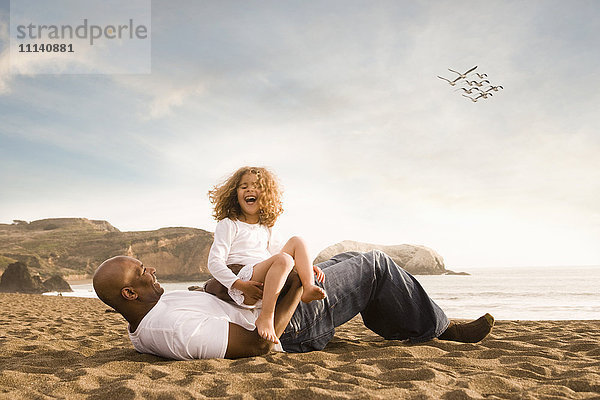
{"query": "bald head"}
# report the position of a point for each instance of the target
(129, 287)
(111, 276)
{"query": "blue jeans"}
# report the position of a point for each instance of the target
(391, 301)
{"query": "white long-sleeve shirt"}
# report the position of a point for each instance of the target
(237, 242)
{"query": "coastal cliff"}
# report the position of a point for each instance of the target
(74, 247)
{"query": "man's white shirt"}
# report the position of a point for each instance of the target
(187, 325)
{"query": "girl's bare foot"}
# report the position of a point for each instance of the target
(266, 327)
(311, 293)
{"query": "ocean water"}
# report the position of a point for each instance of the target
(524, 293)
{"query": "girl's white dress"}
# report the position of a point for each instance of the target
(237, 242)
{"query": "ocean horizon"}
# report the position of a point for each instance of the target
(508, 293)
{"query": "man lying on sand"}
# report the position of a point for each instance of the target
(187, 325)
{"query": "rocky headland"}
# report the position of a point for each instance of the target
(418, 260)
(74, 247)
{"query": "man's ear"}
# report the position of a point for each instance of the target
(128, 293)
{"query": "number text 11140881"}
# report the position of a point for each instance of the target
(46, 48)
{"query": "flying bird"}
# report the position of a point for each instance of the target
(462, 76)
(484, 95)
(470, 90)
(478, 84)
(452, 83)
(494, 88)
(473, 87)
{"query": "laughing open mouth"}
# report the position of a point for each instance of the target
(250, 199)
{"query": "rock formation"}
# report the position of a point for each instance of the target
(418, 260)
(16, 278)
(75, 247)
(57, 284)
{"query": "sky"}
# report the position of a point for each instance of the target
(341, 100)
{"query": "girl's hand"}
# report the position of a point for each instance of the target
(252, 290)
(320, 274)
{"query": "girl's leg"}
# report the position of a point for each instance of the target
(272, 272)
(296, 248)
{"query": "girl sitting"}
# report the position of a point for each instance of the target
(247, 205)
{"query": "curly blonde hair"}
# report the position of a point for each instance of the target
(224, 196)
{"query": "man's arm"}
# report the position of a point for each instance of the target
(215, 287)
(245, 343)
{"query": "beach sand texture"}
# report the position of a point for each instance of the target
(61, 347)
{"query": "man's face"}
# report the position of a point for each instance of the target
(142, 280)
(248, 193)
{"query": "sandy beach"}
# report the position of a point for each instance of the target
(60, 347)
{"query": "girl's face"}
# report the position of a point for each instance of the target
(248, 193)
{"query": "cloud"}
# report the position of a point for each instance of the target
(164, 101)
(346, 108)
(5, 76)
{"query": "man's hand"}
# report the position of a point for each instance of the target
(252, 290)
(215, 288)
(320, 274)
